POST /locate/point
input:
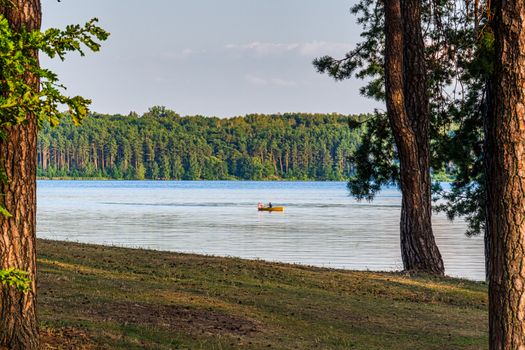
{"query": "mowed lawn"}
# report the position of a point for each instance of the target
(95, 297)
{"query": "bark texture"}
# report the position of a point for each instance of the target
(505, 167)
(18, 324)
(408, 113)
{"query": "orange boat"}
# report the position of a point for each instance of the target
(270, 209)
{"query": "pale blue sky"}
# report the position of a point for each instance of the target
(211, 57)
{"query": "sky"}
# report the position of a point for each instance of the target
(209, 57)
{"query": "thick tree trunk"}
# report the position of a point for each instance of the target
(486, 242)
(505, 166)
(407, 107)
(18, 158)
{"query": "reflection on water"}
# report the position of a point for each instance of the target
(321, 224)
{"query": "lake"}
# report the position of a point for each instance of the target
(321, 225)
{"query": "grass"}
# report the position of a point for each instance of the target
(95, 297)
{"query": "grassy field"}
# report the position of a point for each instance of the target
(94, 297)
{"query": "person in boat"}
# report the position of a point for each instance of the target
(270, 205)
(260, 205)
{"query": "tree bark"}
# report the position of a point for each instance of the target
(18, 158)
(407, 109)
(505, 171)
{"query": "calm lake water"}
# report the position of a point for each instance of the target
(321, 224)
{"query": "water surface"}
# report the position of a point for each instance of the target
(321, 224)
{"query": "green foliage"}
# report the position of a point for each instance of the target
(18, 60)
(459, 57)
(461, 148)
(375, 159)
(442, 176)
(163, 145)
(15, 278)
(4, 212)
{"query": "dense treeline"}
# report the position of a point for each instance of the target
(163, 145)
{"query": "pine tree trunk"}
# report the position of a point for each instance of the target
(505, 166)
(55, 164)
(44, 158)
(407, 107)
(102, 158)
(18, 157)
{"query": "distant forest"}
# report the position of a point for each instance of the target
(160, 144)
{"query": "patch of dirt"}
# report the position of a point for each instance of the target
(66, 339)
(176, 317)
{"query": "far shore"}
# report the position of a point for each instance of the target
(66, 178)
(186, 180)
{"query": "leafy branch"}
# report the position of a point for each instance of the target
(18, 60)
(15, 278)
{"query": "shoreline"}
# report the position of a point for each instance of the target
(161, 180)
(94, 297)
(257, 260)
(40, 178)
